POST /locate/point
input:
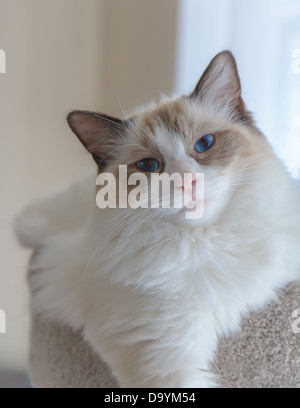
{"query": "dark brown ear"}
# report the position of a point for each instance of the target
(98, 133)
(220, 84)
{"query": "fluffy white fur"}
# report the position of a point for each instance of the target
(152, 294)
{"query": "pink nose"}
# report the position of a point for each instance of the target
(187, 185)
(188, 182)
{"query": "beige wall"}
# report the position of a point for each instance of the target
(61, 55)
(138, 51)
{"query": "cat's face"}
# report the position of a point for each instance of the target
(208, 135)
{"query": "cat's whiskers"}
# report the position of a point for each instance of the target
(130, 215)
(132, 219)
(102, 245)
(139, 217)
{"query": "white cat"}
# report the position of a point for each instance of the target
(151, 290)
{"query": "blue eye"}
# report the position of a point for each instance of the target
(204, 144)
(147, 165)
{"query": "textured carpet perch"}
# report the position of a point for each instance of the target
(264, 354)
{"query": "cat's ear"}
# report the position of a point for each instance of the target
(220, 84)
(98, 133)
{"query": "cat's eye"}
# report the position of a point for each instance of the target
(205, 143)
(148, 165)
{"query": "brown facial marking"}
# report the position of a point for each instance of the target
(185, 118)
(167, 115)
(221, 154)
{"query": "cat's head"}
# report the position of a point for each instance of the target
(208, 132)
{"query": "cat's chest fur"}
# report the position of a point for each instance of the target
(217, 270)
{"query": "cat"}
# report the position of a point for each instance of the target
(151, 290)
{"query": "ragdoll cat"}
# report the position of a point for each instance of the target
(152, 290)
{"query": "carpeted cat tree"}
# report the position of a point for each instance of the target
(264, 354)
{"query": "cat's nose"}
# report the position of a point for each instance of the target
(187, 182)
(188, 185)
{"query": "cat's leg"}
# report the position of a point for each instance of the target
(151, 365)
(148, 341)
(181, 379)
(134, 373)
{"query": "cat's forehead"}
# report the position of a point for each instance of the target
(172, 115)
(171, 129)
(182, 116)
